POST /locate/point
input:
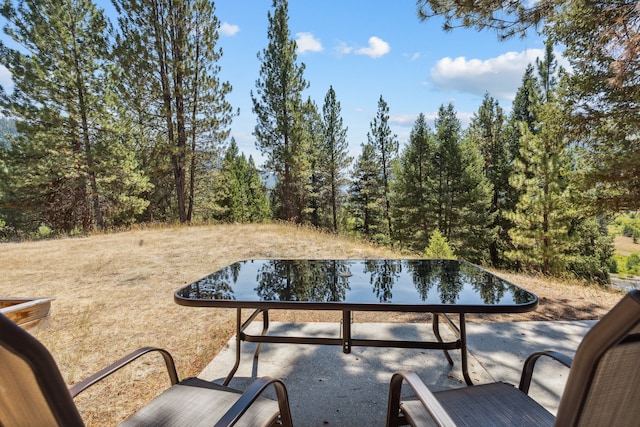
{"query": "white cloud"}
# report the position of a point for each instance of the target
(377, 48)
(342, 48)
(306, 42)
(408, 120)
(227, 29)
(5, 79)
(405, 120)
(500, 76)
(412, 56)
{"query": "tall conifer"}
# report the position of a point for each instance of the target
(169, 63)
(278, 105)
(385, 144)
(366, 196)
(412, 189)
(333, 156)
(67, 156)
(487, 129)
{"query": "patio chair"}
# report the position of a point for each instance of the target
(33, 392)
(603, 387)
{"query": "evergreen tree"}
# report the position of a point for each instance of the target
(413, 187)
(544, 213)
(259, 206)
(242, 195)
(600, 103)
(547, 72)
(333, 157)
(367, 199)
(524, 110)
(463, 194)
(526, 101)
(67, 165)
(487, 130)
(603, 88)
(592, 254)
(438, 247)
(385, 145)
(168, 48)
(316, 211)
(278, 106)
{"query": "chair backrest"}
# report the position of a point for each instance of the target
(603, 387)
(32, 390)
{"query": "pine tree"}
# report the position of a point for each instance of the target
(527, 99)
(524, 110)
(168, 49)
(242, 196)
(487, 129)
(278, 106)
(316, 210)
(65, 160)
(385, 145)
(366, 197)
(438, 247)
(259, 206)
(333, 157)
(600, 103)
(603, 89)
(413, 187)
(544, 213)
(547, 72)
(461, 189)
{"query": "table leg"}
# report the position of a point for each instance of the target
(436, 332)
(346, 331)
(238, 343)
(265, 328)
(463, 350)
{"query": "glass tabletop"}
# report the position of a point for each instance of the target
(411, 285)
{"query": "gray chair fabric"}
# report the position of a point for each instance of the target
(603, 387)
(33, 392)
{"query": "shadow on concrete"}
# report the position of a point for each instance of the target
(328, 387)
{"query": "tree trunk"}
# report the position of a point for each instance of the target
(84, 120)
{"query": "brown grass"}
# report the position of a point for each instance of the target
(114, 293)
(625, 246)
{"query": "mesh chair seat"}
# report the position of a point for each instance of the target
(497, 404)
(188, 403)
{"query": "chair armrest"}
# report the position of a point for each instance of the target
(529, 364)
(100, 375)
(429, 401)
(251, 394)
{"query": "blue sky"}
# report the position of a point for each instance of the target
(366, 49)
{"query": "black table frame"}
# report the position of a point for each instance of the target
(346, 340)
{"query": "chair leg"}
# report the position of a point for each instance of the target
(393, 407)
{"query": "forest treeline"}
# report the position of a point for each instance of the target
(127, 122)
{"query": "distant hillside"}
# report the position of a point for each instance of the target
(7, 127)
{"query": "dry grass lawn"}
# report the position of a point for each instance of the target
(114, 293)
(625, 246)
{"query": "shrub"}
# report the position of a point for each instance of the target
(43, 231)
(439, 247)
(633, 263)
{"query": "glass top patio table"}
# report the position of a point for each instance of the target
(437, 286)
(420, 285)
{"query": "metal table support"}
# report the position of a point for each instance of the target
(347, 341)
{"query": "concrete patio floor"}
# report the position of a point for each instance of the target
(329, 388)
